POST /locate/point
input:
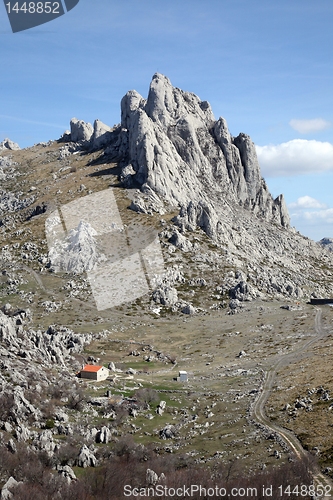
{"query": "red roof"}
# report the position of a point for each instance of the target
(91, 368)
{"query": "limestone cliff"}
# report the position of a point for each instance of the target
(171, 145)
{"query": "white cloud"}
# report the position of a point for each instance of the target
(306, 202)
(308, 126)
(321, 216)
(295, 157)
(312, 216)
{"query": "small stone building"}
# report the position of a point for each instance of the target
(182, 377)
(94, 372)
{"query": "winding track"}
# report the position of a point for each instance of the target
(258, 409)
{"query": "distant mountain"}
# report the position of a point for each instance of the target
(327, 243)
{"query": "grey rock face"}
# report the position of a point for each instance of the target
(67, 472)
(86, 458)
(178, 150)
(81, 131)
(5, 492)
(104, 435)
(327, 243)
(189, 309)
(151, 477)
(165, 295)
(101, 135)
(8, 144)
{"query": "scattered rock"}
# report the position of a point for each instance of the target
(165, 295)
(67, 472)
(168, 432)
(189, 309)
(86, 458)
(151, 477)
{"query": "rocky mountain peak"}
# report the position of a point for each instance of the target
(166, 104)
(7, 144)
(170, 144)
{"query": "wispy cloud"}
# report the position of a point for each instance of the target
(308, 126)
(33, 122)
(295, 157)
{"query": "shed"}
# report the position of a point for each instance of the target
(182, 376)
(94, 372)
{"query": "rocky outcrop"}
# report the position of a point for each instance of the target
(47, 348)
(165, 295)
(8, 144)
(81, 131)
(173, 149)
(327, 243)
(86, 458)
(171, 144)
(101, 136)
(88, 136)
(78, 251)
(7, 489)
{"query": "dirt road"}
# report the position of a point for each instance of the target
(289, 438)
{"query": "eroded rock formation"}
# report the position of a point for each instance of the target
(172, 145)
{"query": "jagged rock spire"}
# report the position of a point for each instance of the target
(176, 148)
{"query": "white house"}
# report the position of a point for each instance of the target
(94, 372)
(182, 377)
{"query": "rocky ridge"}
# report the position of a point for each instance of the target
(172, 155)
(171, 146)
(327, 243)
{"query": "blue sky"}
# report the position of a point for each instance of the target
(265, 66)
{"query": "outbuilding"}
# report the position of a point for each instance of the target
(182, 376)
(94, 372)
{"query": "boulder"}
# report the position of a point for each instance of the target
(45, 442)
(101, 136)
(180, 241)
(81, 131)
(168, 432)
(67, 472)
(151, 477)
(240, 291)
(6, 492)
(165, 295)
(188, 309)
(86, 458)
(104, 435)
